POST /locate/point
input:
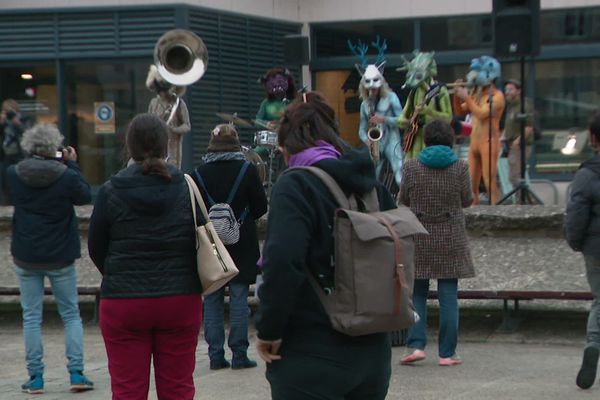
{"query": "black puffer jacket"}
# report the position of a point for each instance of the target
(582, 225)
(141, 236)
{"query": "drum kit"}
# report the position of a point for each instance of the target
(265, 138)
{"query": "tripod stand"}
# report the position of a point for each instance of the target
(525, 194)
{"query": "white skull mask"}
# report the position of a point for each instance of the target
(372, 77)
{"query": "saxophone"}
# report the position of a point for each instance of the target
(374, 134)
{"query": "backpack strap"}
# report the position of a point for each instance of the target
(211, 202)
(238, 181)
(235, 188)
(335, 189)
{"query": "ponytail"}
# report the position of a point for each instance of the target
(156, 166)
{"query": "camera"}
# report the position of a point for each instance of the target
(59, 155)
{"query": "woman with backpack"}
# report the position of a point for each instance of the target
(232, 190)
(305, 356)
(436, 187)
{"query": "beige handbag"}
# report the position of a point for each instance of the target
(215, 265)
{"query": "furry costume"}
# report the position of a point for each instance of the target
(378, 99)
(161, 106)
(280, 91)
(483, 74)
(420, 78)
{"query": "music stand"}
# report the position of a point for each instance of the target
(527, 196)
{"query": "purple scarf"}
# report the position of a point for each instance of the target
(312, 155)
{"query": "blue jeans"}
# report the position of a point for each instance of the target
(214, 327)
(64, 287)
(592, 266)
(448, 298)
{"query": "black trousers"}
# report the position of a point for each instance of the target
(335, 372)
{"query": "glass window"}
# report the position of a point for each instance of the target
(566, 93)
(33, 87)
(332, 39)
(93, 90)
(455, 33)
(568, 26)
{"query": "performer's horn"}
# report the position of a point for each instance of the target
(180, 57)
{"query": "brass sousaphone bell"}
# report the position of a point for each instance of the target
(181, 57)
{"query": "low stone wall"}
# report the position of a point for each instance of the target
(513, 247)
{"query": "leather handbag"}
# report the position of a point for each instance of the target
(215, 265)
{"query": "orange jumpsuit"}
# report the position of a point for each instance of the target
(479, 151)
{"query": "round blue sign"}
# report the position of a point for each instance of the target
(104, 113)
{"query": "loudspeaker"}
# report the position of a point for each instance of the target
(516, 27)
(295, 50)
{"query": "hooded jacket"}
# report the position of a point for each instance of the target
(582, 225)
(300, 233)
(141, 236)
(45, 232)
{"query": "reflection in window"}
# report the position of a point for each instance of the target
(566, 93)
(34, 89)
(470, 32)
(119, 83)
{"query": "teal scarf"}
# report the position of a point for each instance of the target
(437, 157)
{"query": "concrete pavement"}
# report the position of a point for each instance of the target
(539, 361)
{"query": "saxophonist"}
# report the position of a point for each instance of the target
(380, 108)
(168, 104)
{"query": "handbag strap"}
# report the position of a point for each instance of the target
(196, 197)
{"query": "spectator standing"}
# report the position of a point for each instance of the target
(306, 357)
(511, 137)
(582, 228)
(45, 243)
(221, 167)
(436, 187)
(142, 240)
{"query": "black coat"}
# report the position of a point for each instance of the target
(218, 177)
(582, 225)
(141, 236)
(299, 234)
(45, 232)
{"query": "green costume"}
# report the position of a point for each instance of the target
(439, 108)
(420, 74)
(270, 110)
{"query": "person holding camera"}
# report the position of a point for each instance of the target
(45, 243)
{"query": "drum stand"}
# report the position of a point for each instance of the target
(270, 173)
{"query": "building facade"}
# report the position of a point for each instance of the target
(100, 53)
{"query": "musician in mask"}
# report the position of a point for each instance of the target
(170, 107)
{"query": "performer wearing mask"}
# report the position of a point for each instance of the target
(486, 104)
(379, 111)
(170, 107)
(427, 100)
(280, 91)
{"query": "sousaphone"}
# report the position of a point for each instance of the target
(181, 57)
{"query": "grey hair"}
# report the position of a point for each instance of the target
(42, 139)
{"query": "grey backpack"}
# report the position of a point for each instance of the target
(374, 266)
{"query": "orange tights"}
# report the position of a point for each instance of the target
(479, 159)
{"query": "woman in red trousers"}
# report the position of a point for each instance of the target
(141, 239)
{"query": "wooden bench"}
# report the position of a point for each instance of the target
(509, 322)
(81, 290)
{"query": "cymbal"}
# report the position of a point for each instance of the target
(234, 119)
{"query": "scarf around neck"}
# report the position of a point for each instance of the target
(223, 156)
(437, 157)
(312, 155)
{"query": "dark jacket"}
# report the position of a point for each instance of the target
(45, 232)
(300, 234)
(582, 225)
(141, 236)
(219, 176)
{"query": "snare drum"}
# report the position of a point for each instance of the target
(257, 160)
(265, 138)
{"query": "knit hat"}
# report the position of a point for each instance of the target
(224, 138)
